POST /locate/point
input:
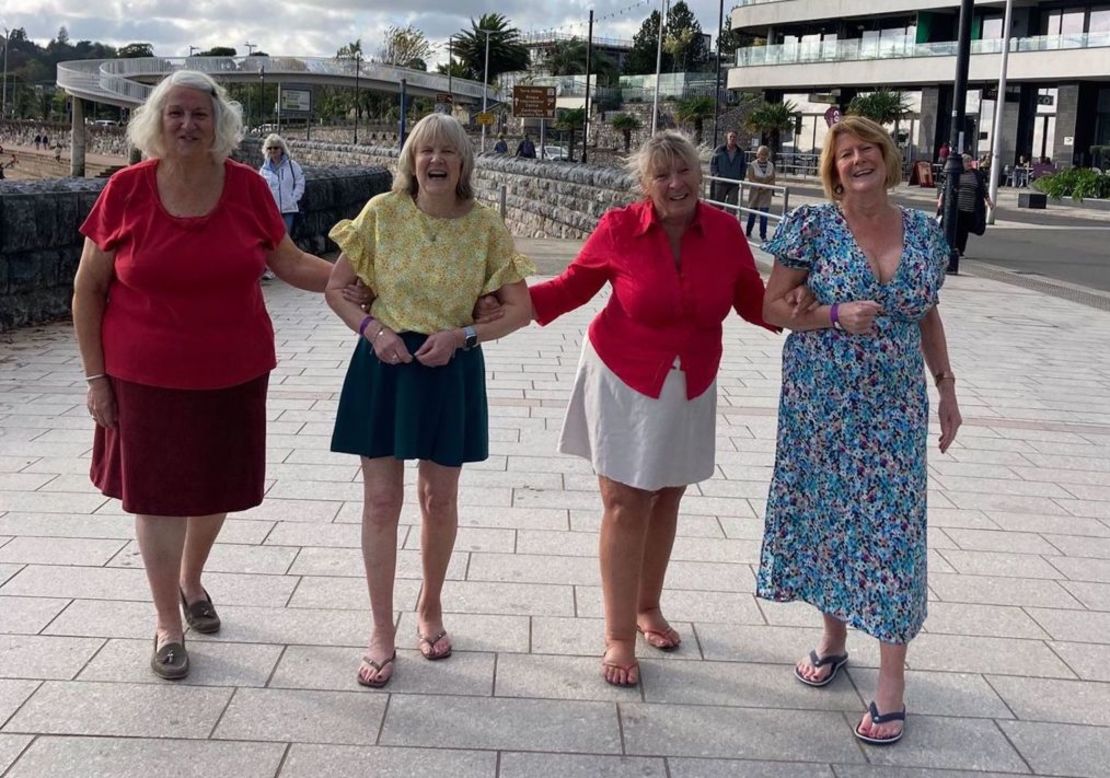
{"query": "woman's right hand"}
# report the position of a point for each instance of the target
(389, 347)
(858, 317)
(101, 402)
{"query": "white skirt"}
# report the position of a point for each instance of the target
(634, 439)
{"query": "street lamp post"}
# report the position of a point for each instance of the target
(4, 99)
(999, 108)
(717, 79)
(658, 63)
(954, 166)
(485, 87)
(358, 63)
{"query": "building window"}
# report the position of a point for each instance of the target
(992, 28)
(1100, 21)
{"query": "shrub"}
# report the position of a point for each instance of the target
(1076, 183)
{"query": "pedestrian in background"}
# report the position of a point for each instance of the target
(972, 200)
(761, 171)
(285, 178)
(526, 148)
(728, 162)
(501, 147)
(845, 525)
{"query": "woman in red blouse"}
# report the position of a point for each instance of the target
(176, 342)
(643, 406)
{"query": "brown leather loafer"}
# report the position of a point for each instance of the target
(171, 661)
(201, 615)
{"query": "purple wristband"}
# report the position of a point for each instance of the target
(363, 325)
(834, 316)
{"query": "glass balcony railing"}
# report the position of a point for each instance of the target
(904, 46)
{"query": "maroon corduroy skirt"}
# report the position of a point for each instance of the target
(184, 452)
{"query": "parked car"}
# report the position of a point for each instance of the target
(554, 152)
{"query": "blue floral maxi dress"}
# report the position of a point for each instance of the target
(845, 523)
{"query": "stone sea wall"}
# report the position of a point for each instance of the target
(40, 246)
(545, 199)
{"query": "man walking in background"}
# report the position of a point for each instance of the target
(728, 162)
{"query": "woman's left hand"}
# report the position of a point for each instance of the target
(487, 309)
(950, 420)
(358, 293)
(801, 300)
(439, 348)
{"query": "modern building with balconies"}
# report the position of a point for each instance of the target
(816, 52)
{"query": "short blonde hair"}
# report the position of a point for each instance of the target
(433, 128)
(868, 131)
(662, 149)
(144, 131)
(763, 150)
(273, 139)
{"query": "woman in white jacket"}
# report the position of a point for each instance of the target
(285, 177)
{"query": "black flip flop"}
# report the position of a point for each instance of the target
(837, 662)
(877, 718)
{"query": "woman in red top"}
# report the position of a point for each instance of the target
(644, 402)
(176, 342)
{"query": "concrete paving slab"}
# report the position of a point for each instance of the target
(14, 693)
(1060, 749)
(28, 615)
(11, 746)
(212, 663)
(710, 731)
(100, 757)
(523, 765)
(466, 673)
(303, 716)
(41, 656)
(312, 761)
(1064, 702)
(121, 709)
(502, 723)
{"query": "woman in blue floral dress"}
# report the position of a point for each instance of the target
(845, 524)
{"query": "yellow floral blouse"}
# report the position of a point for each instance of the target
(426, 273)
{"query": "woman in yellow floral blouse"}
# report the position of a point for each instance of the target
(415, 388)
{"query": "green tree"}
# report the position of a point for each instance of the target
(695, 110)
(770, 119)
(571, 120)
(642, 57)
(506, 52)
(568, 58)
(406, 47)
(626, 123)
(218, 51)
(133, 50)
(456, 69)
(682, 24)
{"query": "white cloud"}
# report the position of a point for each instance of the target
(316, 27)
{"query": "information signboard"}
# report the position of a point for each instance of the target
(534, 102)
(296, 100)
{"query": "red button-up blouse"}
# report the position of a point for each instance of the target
(659, 311)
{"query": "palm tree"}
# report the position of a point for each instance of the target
(885, 106)
(695, 109)
(571, 120)
(568, 58)
(626, 123)
(770, 119)
(506, 52)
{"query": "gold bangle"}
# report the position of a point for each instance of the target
(944, 375)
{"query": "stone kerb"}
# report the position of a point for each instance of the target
(40, 245)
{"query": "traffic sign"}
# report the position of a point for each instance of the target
(534, 102)
(485, 118)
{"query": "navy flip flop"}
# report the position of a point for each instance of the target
(877, 718)
(837, 662)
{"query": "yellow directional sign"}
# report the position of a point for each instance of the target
(485, 118)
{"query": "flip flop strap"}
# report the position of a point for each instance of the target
(820, 661)
(877, 718)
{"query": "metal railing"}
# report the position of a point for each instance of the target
(905, 46)
(745, 187)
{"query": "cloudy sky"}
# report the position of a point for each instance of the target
(315, 27)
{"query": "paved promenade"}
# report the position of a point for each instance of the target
(1010, 677)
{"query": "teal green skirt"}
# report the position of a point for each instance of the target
(412, 411)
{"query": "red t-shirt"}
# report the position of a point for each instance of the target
(658, 311)
(184, 308)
